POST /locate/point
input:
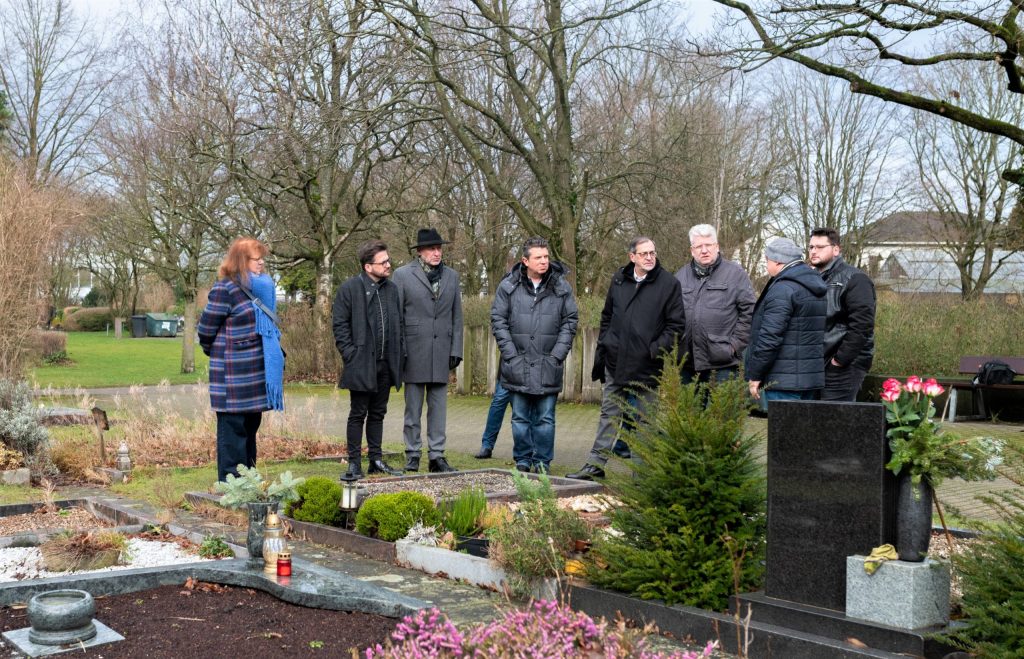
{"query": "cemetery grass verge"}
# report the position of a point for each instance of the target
(100, 360)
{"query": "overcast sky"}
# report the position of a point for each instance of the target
(701, 11)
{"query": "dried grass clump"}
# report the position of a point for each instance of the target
(220, 514)
(75, 457)
(92, 550)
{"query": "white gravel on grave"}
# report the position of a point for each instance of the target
(19, 563)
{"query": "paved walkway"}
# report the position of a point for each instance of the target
(326, 410)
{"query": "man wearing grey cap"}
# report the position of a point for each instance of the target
(786, 357)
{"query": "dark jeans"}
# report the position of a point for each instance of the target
(495, 416)
(775, 394)
(533, 429)
(842, 383)
(236, 441)
(689, 375)
(369, 406)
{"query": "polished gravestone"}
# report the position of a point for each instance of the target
(829, 496)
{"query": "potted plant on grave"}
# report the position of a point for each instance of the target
(536, 542)
(923, 455)
(249, 489)
(461, 516)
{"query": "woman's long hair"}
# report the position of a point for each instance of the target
(236, 262)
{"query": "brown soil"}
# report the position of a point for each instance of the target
(70, 518)
(209, 620)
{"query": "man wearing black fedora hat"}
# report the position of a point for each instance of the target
(432, 310)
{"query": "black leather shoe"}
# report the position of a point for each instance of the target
(621, 449)
(483, 454)
(525, 468)
(355, 469)
(381, 467)
(588, 473)
(413, 463)
(440, 466)
(539, 469)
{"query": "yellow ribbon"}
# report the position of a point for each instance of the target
(878, 556)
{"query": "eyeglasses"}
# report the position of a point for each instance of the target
(384, 262)
(646, 255)
(699, 248)
(814, 247)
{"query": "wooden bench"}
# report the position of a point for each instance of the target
(970, 366)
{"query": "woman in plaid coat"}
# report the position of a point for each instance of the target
(244, 347)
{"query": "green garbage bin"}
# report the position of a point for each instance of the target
(161, 324)
(138, 327)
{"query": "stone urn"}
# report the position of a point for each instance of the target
(60, 617)
(913, 518)
(258, 511)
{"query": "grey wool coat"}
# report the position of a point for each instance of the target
(433, 327)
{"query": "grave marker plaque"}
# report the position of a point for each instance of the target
(829, 496)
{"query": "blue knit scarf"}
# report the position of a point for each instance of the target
(273, 359)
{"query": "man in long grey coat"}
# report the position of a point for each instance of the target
(432, 312)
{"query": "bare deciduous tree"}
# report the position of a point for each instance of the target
(838, 38)
(54, 75)
(536, 53)
(959, 168)
(837, 155)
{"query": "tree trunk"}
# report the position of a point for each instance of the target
(188, 341)
(322, 339)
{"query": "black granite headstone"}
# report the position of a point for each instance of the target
(829, 496)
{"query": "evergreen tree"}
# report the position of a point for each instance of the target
(693, 523)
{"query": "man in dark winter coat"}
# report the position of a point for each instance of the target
(719, 302)
(786, 353)
(432, 312)
(642, 318)
(850, 323)
(534, 318)
(368, 334)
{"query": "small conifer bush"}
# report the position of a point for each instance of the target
(318, 502)
(390, 516)
(693, 522)
(992, 575)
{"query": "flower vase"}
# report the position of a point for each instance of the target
(258, 511)
(913, 519)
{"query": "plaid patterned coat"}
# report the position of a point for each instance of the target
(227, 334)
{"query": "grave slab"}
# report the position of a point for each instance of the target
(900, 594)
(19, 639)
(829, 496)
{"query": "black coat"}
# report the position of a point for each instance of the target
(356, 340)
(787, 332)
(639, 323)
(850, 324)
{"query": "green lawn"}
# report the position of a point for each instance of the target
(100, 360)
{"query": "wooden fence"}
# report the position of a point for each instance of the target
(478, 371)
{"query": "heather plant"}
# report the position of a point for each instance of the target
(537, 540)
(692, 525)
(21, 426)
(543, 630)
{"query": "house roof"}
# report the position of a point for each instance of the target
(933, 271)
(908, 227)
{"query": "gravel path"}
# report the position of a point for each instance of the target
(445, 486)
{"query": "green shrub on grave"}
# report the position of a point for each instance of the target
(318, 501)
(693, 524)
(992, 574)
(390, 516)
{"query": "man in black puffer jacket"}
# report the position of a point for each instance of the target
(642, 318)
(787, 332)
(850, 324)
